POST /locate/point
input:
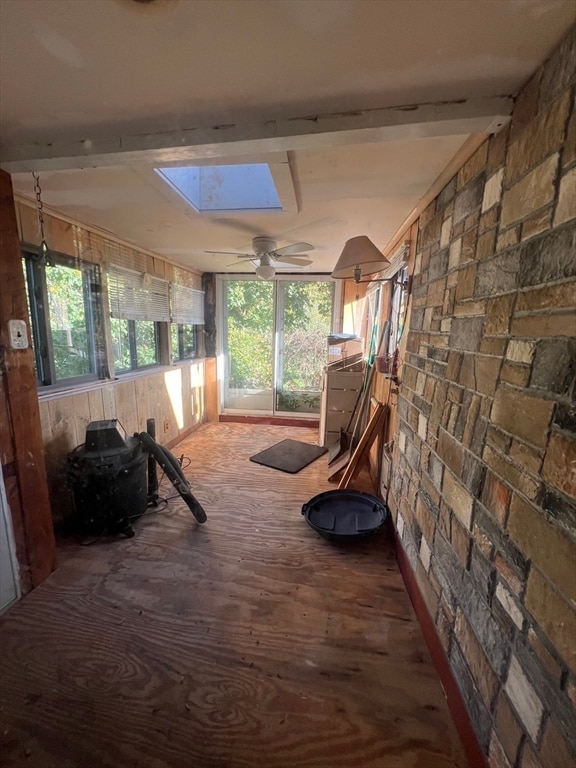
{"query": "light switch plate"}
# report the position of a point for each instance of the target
(18, 334)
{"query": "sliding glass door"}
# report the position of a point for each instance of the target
(275, 344)
(304, 321)
(248, 345)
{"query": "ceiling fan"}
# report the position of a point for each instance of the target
(266, 252)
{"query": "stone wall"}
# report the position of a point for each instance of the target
(484, 479)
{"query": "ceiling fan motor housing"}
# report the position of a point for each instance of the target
(264, 245)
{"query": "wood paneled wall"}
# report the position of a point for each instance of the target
(174, 397)
(74, 239)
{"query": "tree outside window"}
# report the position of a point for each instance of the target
(135, 344)
(66, 318)
(183, 340)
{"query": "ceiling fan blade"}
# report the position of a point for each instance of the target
(242, 261)
(241, 226)
(288, 250)
(231, 253)
(298, 261)
(292, 234)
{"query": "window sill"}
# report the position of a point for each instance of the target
(63, 390)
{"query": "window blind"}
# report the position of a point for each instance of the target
(397, 261)
(138, 296)
(186, 305)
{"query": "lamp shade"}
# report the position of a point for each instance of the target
(359, 253)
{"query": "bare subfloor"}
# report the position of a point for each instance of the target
(248, 642)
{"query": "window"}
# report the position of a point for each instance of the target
(66, 318)
(184, 341)
(187, 313)
(72, 340)
(139, 302)
(135, 344)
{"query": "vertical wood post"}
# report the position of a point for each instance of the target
(19, 390)
(209, 288)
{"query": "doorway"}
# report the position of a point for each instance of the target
(274, 344)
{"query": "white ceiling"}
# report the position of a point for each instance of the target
(79, 76)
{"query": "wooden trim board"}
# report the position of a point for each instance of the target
(474, 754)
(18, 381)
(276, 420)
(368, 437)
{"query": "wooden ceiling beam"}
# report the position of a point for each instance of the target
(405, 122)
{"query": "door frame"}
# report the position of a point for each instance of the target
(8, 547)
(221, 359)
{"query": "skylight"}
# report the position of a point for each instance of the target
(225, 187)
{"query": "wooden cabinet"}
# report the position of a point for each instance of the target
(340, 391)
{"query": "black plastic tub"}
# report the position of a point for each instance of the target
(343, 515)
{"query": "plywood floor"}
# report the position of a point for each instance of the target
(249, 642)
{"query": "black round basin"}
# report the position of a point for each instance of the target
(343, 515)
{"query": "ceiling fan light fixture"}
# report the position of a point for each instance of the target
(265, 271)
(359, 257)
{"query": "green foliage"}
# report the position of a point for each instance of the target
(121, 344)
(144, 342)
(250, 322)
(298, 401)
(307, 321)
(250, 359)
(307, 306)
(174, 346)
(69, 323)
(145, 333)
(183, 341)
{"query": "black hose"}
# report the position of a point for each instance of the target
(175, 463)
(169, 464)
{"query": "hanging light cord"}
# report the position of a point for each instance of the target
(40, 211)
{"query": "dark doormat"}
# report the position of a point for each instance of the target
(288, 456)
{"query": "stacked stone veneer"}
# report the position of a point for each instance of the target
(484, 479)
